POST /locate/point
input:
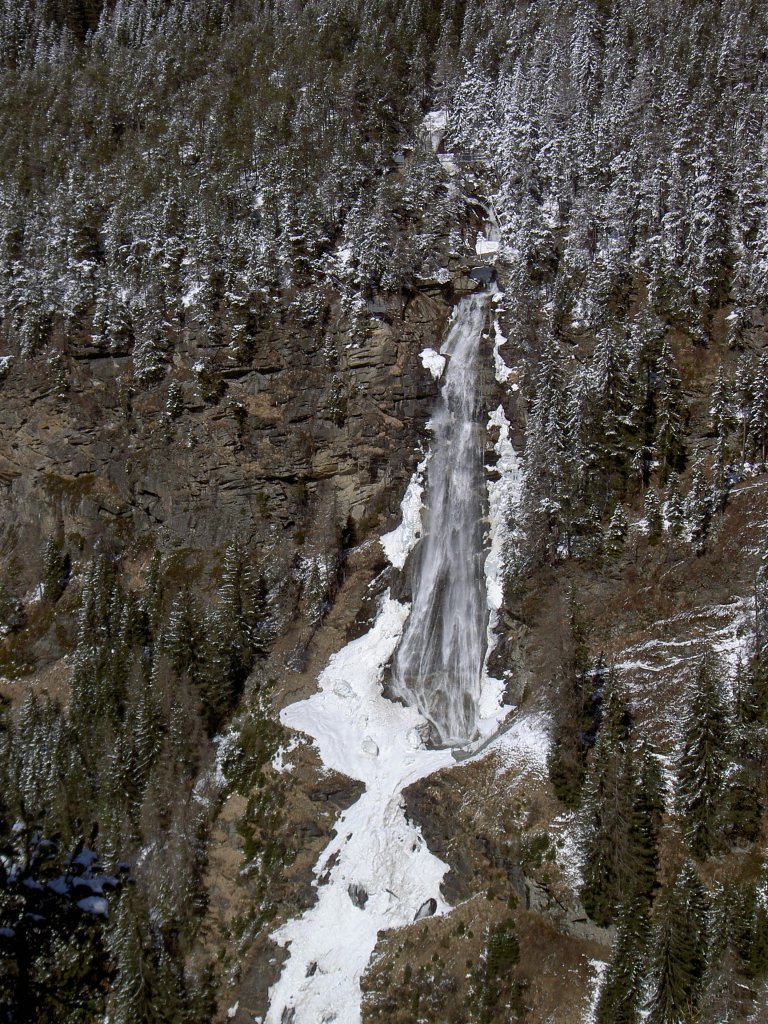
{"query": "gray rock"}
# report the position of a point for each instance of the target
(427, 909)
(358, 895)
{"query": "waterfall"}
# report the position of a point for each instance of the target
(437, 667)
(377, 872)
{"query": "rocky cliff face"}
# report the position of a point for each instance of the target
(319, 425)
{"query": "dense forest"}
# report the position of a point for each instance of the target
(205, 169)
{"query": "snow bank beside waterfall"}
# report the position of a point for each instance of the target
(403, 539)
(524, 746)
(501, 370)
(433, 362)
(504, 495)
(379, 870)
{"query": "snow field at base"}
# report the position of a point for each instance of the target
(375, 850)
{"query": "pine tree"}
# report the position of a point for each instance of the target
(221, 677)
(186, 640)
(621, 994)
(721, 406)
(721, 476)
(680, 945)
(698, 511)
(670, 414)
(619, 809)
(153, 598)
(673, 508)
(611, 395)
(645, 821)
(703, 760)
(757, 437)
(131, 998)
(744, 393)
(56, 569)
(577, 711)
(545, 497)
(616, 534)
(734, 977)
(654, 522)
(243, 605)
(742, 805)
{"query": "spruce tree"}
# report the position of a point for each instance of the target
(616, 534)
(744, 393)
(703, 759)
(654, 521)
(757, 438)
(670, 415)
(621, 994)
(131, 999)
(619, 816)
(185, 642)
(673, 508)
(680, 958)
(698, 511)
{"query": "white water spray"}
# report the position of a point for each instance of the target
(438, 665)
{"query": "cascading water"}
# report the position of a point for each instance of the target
(377, 872)
(437, 667)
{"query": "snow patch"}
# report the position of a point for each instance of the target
(502, 371)
(434, 125)
(280, 765)
(344, 257)
(433, 362)
(224, 746)
(94, 905)
(400, 542)
(486, 246)
(725, 629)
(599, 968)
(191, 294)
(524, 746)
(568, 855)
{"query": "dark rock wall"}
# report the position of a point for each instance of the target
(316, 426)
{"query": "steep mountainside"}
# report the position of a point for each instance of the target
(233, 236)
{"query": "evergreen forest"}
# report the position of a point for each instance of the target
(227, 229)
